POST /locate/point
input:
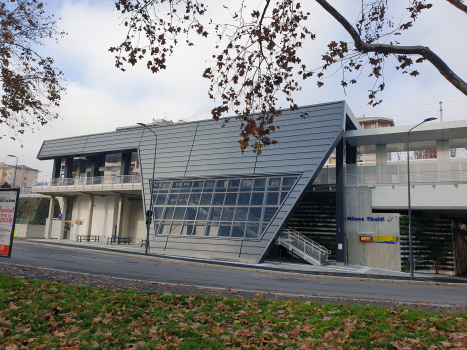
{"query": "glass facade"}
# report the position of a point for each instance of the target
(236, 208)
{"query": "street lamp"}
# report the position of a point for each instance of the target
(408, 185)
(149, 212)
(14, 176)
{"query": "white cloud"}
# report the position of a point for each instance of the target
(101, 98)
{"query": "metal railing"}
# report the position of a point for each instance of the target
(426, 177)
(89, 183)
(309, 248)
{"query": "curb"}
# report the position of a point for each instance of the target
(257, 270)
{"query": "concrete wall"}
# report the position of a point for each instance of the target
(102, 219)
(379, 255)
(136, 222)
(30, 231)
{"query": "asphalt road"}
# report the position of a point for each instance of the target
(100, 263)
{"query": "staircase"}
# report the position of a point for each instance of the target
(303, 247)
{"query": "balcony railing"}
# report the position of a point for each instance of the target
(426, 177)
(89, 183)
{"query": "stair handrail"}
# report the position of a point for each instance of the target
(308, 240)
(305, 245)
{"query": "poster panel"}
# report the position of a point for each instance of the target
(9, 198)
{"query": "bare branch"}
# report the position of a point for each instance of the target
(459, 4)
(423, 51)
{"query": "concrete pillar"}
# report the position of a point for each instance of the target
(381, 159)
(126, 161)
(56, 168)
(68, 168)
(443, 155)
(62, 223)
(341, 258)
(121, 204)
(91, 210)
(51, 217)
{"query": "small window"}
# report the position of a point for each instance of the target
(197, 186)
(190, 213)
(260, 185)
(274, 184)
(233, 185)
(179, 213)
(257, 198)
(218, 199)
(221, 185)
(172, 199)
(200, 229)
(183, 199)
(230, 199)
(224, 230)
(254, 214)
(252, 231)
(238, 230)
(241, 214)
(272, 198)
(246, 185)
(194, 199)
(215, 214)
(169, 212)
(203, 213)
(244, 198)
(269, 214)
(212, 229)
(228, 214)
(206, 199)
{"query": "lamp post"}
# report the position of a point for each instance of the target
(14, 176)
(408, 187)
(149, 212)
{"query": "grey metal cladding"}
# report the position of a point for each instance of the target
(302, 148)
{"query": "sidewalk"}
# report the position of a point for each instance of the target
(330, 270)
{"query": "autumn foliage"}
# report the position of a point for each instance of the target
(44, 315)
(31, 86)
(259, 61)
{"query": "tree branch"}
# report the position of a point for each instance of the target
(423, 51)
(459, 4)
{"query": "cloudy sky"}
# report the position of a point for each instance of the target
(100, 97)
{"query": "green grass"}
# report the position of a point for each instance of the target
(43, 315)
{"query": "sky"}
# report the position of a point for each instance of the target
(100, 97)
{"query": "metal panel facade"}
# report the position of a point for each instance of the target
(204, 149)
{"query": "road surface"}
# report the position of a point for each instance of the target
(134, 267)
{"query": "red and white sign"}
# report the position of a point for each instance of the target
(8, 208)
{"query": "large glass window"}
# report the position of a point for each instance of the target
(236, 208)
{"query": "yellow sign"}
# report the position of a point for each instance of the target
(385, 239)
(78, 222)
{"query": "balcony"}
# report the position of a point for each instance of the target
(102, 185)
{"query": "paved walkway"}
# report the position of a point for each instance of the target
(330, 270)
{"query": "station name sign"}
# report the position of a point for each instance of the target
(368, 218)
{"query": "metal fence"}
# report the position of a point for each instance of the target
(109, 181)
(426, 177)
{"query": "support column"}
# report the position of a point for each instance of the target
(68, 168)
(341, 258)
(91, 210)
(443, 155)
(126, 161)
(62, 223)
(120, 215)
(51, 217)
(381, 159)
(56, 168)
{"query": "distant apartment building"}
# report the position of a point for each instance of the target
(25, 176)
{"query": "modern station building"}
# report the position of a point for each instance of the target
(211, 201)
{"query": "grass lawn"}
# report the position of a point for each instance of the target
(43, 315)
